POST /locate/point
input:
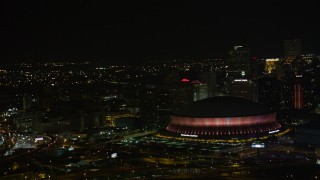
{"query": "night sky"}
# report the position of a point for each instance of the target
(136, 31)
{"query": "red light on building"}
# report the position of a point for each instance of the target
(298, 97)
(185, 80)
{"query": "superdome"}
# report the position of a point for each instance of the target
(223, 117)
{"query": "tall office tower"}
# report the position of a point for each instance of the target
(183, 93)
(243, 88)
(210, 79)
(164, 106)
(200, 90)
(257, 70)
(239, 62)
(148, 107)
(269, 92)
(27, 102)
(258, 67)
(292, 50)
(292, 47)
(286, 96)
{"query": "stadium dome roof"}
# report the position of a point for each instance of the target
(222, 106)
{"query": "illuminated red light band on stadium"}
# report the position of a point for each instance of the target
(223, 117)
(223, 126)
(225, 121)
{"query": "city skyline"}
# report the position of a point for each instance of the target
(135, 32)
(159, 90)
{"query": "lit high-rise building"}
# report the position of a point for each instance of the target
(239, 61)
(271, 65)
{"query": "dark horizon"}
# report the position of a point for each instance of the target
(134, 32)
